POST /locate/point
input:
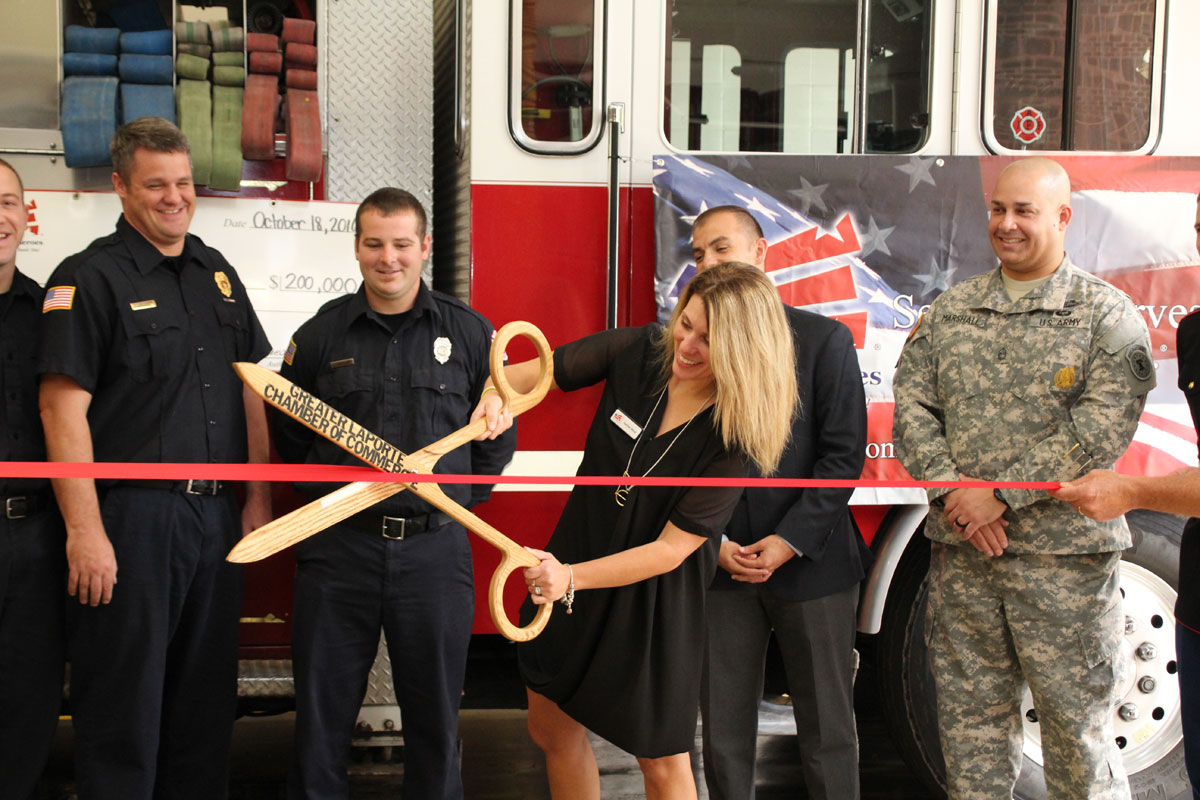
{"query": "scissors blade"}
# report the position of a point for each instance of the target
(335, 426)
(321, 417)
(310, 519)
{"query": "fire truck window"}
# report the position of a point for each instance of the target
(779, 75)
(897, 88)
(558, 89)
(1073, 74)
(810, 100)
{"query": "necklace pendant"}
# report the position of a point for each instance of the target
(620, 494)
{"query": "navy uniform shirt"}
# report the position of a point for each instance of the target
(411, 385)
(21, 429)
(152, 338)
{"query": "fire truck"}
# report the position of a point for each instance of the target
(565, 145)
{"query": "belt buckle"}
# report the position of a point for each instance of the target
(202, 487)
(383, 528)
(16, 507)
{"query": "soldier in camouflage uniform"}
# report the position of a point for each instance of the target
(1035, 371)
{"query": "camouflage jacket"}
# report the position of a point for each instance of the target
(1043, 388)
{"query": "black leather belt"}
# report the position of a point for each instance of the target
(185, 487)
(26, 505)
(397, 528)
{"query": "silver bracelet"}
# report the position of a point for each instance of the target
(569, 598)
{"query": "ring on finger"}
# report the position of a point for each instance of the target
(537, 590)
(958, 523)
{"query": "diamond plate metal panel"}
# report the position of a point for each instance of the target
(265, 678)
(379, 96)
(380, 691)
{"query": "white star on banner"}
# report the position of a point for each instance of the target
(692, 165)
(936, 278)
(809, 195)
(917, 170)
(876, 295)
(754, 204)
(690, 219)
(875, 238)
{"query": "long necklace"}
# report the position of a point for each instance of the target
(622, 492)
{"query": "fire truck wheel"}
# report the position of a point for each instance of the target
(1146, 717)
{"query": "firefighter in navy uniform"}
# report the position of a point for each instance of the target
(408, 364)
(31, 535)
(140, 330)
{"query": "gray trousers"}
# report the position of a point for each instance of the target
(816, 638)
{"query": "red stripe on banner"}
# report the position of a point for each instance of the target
(336, 474)
(813, 245)
(1142, 459)
(826, 287)
(1177, 429)
(857, 323)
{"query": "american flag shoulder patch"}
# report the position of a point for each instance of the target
(290, 354)
(58, 297)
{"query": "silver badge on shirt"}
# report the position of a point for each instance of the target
(441, 349)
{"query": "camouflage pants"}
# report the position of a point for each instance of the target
(1053, 621)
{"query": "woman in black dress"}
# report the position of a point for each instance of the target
(712, 391)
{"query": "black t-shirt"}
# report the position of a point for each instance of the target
(153, 339)
(21, 424)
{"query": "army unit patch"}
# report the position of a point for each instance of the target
(1140, 363)
(58, 298)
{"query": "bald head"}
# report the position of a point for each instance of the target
(727, 233)
(1045, 173)
(1029, 212)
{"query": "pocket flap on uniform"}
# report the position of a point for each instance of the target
(443, 381)
(147, 321)
(344, 381)
(230, 315)
(1101, 638)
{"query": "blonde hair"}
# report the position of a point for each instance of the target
(752, 359)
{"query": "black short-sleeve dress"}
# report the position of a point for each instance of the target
(626, 664)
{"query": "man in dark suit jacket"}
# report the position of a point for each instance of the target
(791, 562)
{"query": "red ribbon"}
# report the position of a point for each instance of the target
(338, 474)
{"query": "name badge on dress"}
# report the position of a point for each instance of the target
(622, 421)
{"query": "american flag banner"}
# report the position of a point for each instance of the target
(871, 241)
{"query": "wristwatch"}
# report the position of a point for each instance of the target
(999, 496)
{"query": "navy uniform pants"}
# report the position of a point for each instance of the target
(154, 673)
(419, 591)
(32, 588)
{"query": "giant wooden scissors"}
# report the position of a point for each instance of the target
(361, 495)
